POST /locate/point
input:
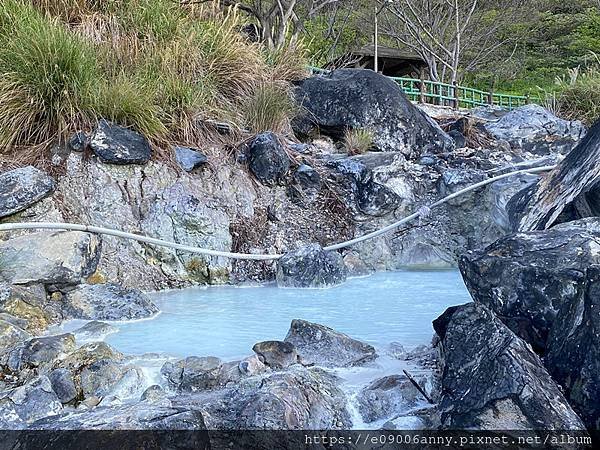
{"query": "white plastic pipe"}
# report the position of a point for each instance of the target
(257, 257)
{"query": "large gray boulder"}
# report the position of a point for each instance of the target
(535, 129)
(11, 334)
(310, 267)
(50, 257)
(492, 380)
(362, 99)
(94, 331)
(527, 278)
(267, 158)
(114, 144)
(21, 188)
(107, 302)
(299, 398)
(323, 346)
(573, 349)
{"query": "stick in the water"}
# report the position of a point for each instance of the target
(413, 381)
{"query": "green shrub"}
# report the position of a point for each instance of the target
(358, 141)
(47, 74)
(268, 109)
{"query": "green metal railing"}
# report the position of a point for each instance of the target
(456, 96)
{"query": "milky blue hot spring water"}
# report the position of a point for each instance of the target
(227, 321)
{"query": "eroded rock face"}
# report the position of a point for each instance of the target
(535, 129)
(323, 346)
(311, 267)
(11, 334)
(27, 307)
(53, 257)
(114, 144)
(267, 158)
(527, 278)
(107, 302)
(20, 188)
(492, 380)
(362, 99)
(573, 349)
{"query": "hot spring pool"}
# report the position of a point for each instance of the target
(227, 321)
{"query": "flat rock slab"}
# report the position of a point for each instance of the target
(114, 144)
(23, 187)
(323, 346)
(107, 302)
(50, 257)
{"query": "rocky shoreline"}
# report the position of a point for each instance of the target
(524, 355)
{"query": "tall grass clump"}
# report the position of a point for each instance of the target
(579, 97)
(46, 76)
(269, 108)
(358, 141)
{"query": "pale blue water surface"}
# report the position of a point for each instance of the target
(227, 321)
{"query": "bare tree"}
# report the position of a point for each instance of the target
(278, 20)
(444, 32)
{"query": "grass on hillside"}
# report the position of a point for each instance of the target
(154, 65)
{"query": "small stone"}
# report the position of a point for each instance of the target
(268, 160)
(78, 141)
(189, 158)
(114, 144)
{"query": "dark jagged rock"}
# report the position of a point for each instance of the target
(362, 99)
(459, 139)
(492, 380)
(276, 354)
(78, 142)
(526, 278)
(454, 180)
(21, 188)
(305, 186)
(50, 258)
(310, 266)
(189, 158)
(268, 160)
(107, 302)
(365, 194)
(323, 346)
(114, 144)
(193, 373)
(536, 130)
(573, 354)
(538, 207)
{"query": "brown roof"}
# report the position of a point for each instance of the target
(387, 52)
